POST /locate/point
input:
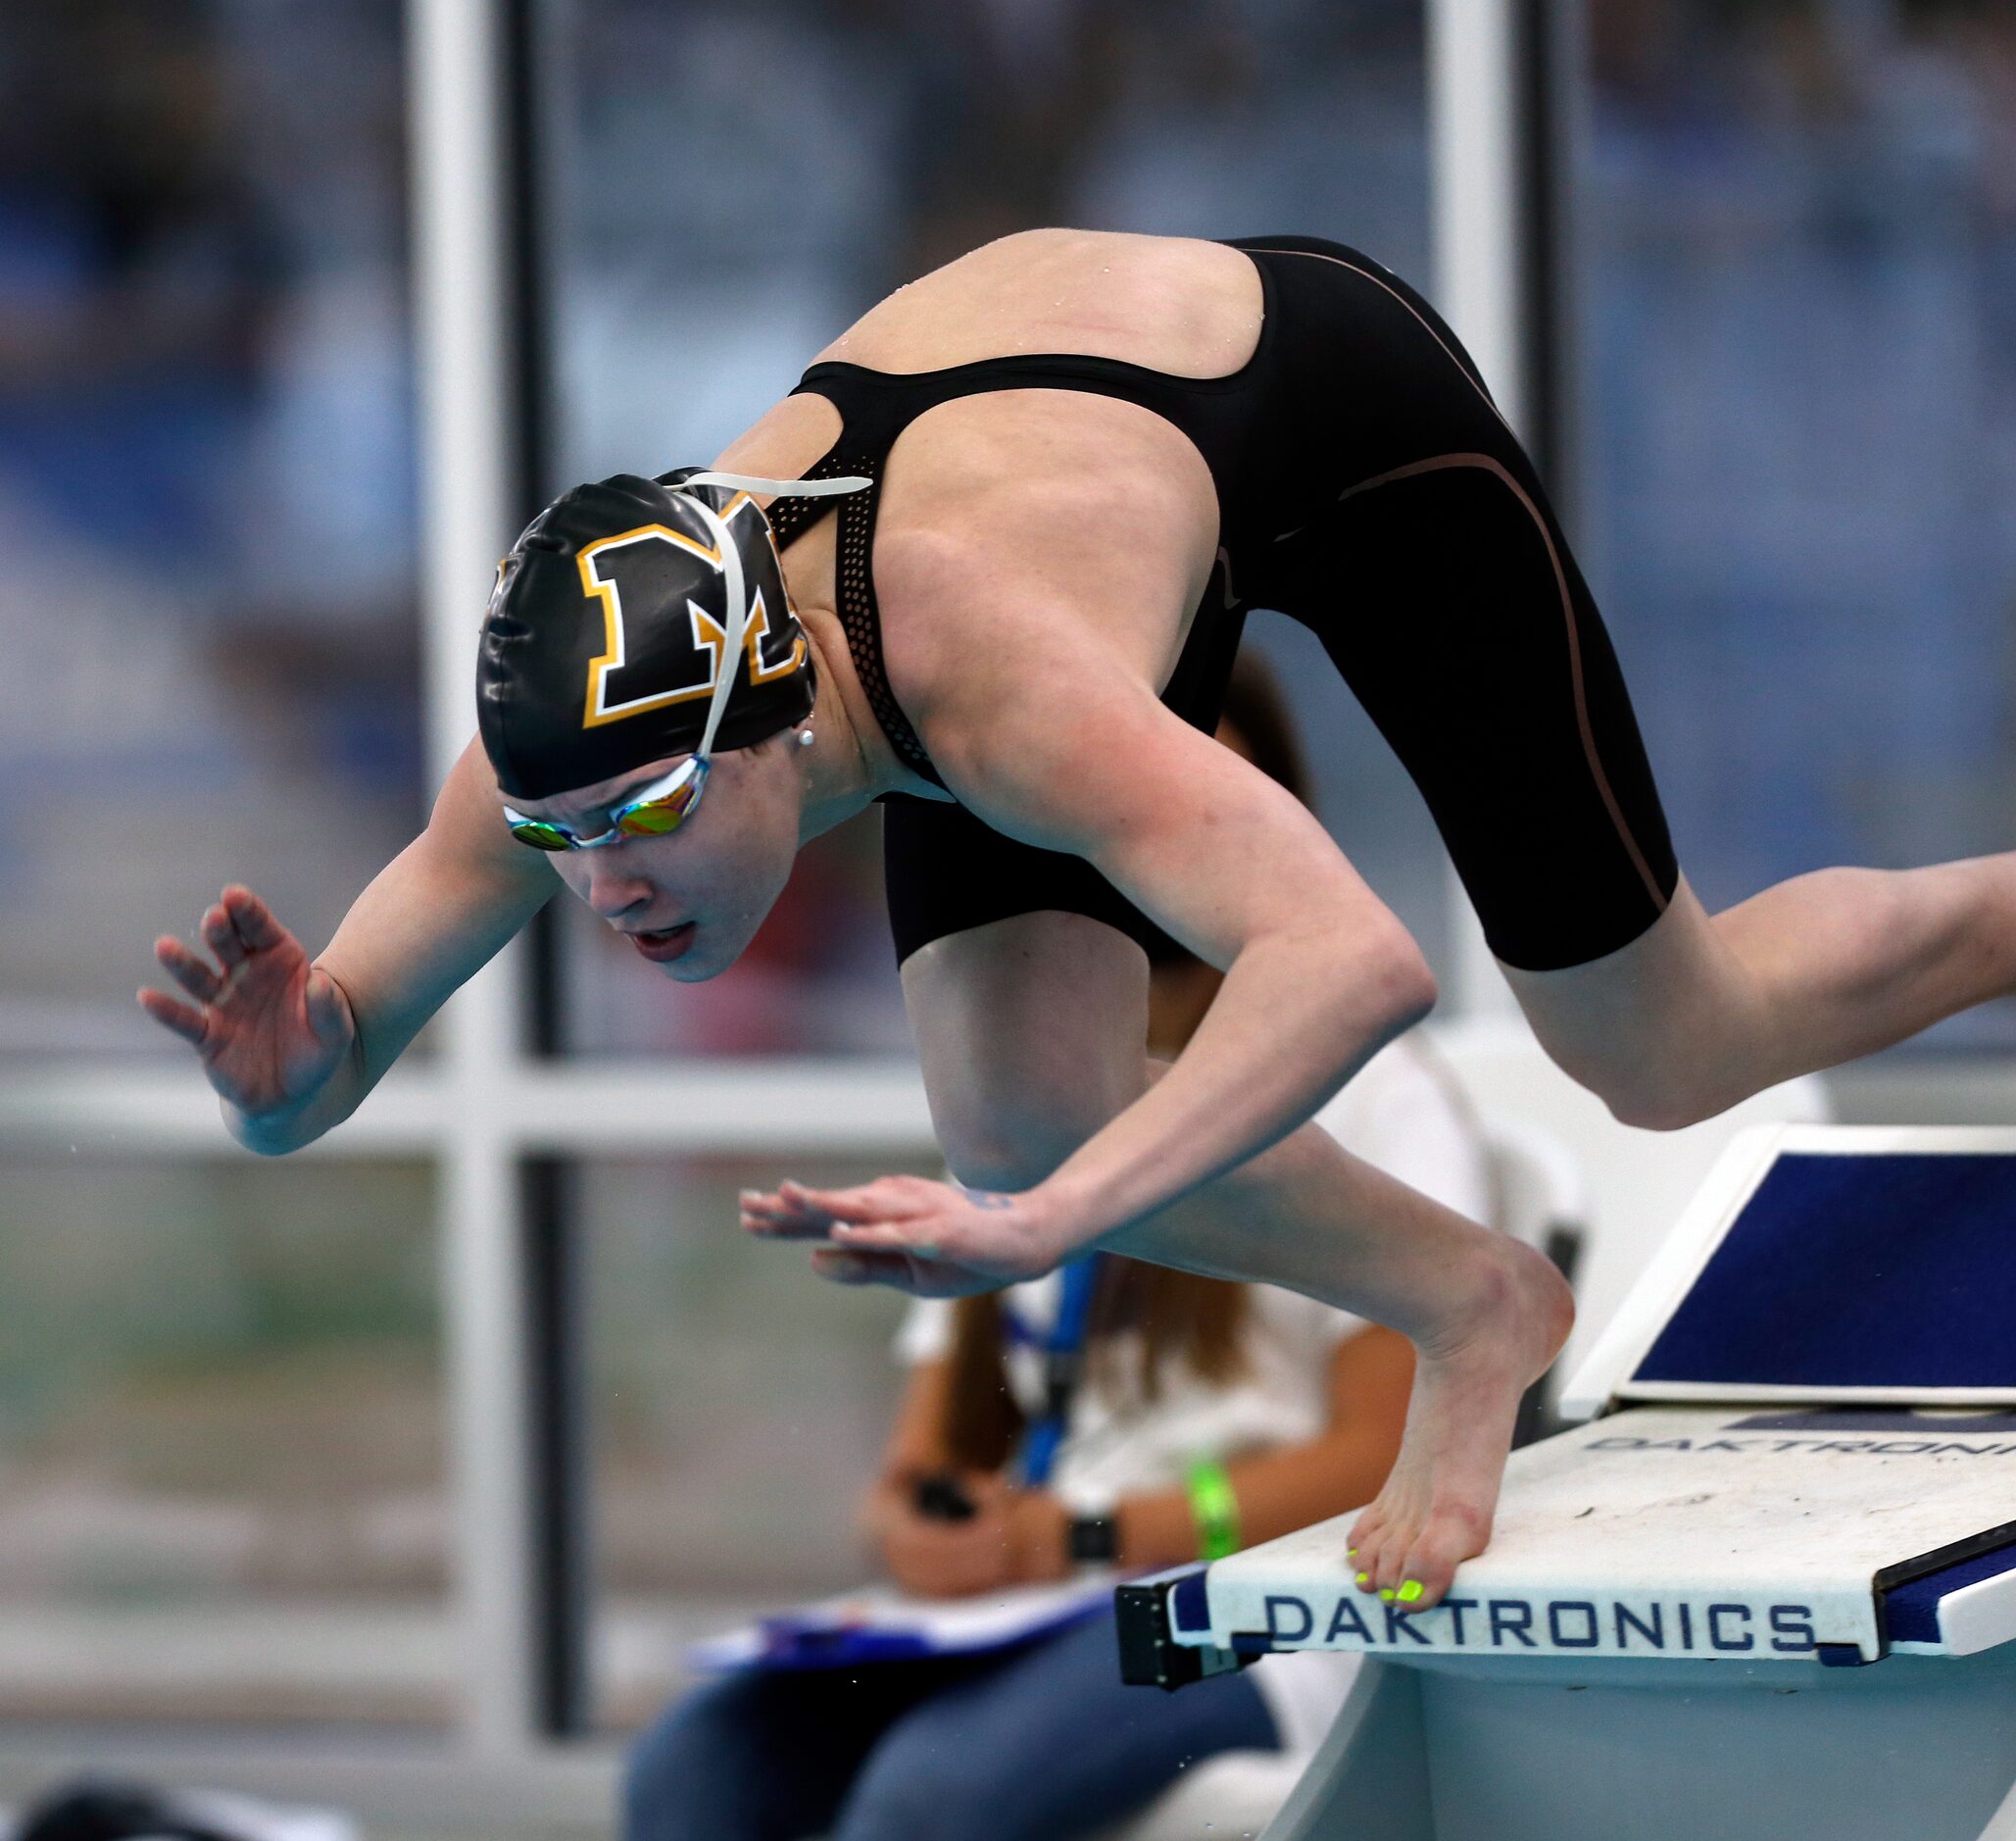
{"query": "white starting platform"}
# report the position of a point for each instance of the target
(1768, 1592)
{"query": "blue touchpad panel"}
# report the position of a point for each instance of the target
(1889, 1270)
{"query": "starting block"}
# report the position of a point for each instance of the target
(1768, 1590)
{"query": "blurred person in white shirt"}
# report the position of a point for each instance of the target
(1197, 1414)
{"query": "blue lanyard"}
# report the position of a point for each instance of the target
(1063, 1363)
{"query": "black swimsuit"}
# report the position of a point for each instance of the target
(1367, 488)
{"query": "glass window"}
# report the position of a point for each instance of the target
(1801, 276)
(222, 1491)
(706, 250)
(740, 1407)
(206, 485)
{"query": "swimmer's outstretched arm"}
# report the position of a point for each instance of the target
(1320, 973)
(292, 1045)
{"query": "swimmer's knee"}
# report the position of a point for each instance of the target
(1661, 1099)
(1654, 1078)
(1012, 1146)
(1011, 1133)
(1656, 1113)
(1411, 992)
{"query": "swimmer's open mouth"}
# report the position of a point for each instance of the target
(663, 947)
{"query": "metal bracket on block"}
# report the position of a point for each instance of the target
(1150, 1654)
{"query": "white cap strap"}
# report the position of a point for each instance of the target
(777, 488)
(731, 571)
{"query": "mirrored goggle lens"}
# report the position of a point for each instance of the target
(661, 815)
(539, 836)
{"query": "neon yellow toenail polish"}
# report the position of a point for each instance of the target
(1384, 1595)
(1351, 1553)
(1409, 1590)
(1365, 1578)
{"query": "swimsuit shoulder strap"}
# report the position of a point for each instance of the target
(854, 585)
(875, 407)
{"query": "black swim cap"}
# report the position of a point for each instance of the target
(604, 641)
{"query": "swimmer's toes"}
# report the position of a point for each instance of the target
(1419, 1583)
(1448, 1537)
(1422, 1586)
(1367, 1550)
(1385, 1565)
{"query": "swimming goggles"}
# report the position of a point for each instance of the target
(665, 805)
(659, 807)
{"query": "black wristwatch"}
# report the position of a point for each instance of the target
(1094, 1540)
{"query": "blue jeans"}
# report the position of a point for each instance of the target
(1042, 1742)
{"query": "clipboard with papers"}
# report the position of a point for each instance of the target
(882, 1624)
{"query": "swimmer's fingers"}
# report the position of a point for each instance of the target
(240, 924)
(793, 1212)
(843, 1267)
(184, 1020)
(827, 1205)
(769, 1215)
(888, 1236)
(898, 1213)
(252, 920)
(900, 1272)
(887, 1198)
(221, 936)
(190, 970)
(979, 1231)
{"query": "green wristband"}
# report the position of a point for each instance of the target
(1214, 1509)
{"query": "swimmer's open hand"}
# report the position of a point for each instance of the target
(930, 1239)
(269, 1026)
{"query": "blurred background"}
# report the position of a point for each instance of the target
(434, 1449)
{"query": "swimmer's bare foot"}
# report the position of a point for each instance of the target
(1437, 1505)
